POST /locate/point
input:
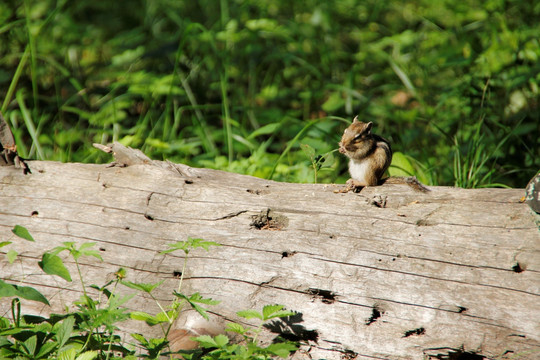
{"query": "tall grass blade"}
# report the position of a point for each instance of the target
(15, 79)
(402, 76)
(291, 144)
(29, 124)
(227, 118)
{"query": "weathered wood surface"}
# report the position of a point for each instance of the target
(445, 272)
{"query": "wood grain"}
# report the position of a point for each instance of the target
(387, 273)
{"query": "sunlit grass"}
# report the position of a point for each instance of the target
(259, 90)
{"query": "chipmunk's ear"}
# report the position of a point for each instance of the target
(355, 120)
(368, 127)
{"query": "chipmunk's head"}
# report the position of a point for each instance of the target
(356, 136)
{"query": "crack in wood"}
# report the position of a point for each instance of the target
(347, 353)
(425, 220)
(392, 255)
(426, 276)
(175, 168)
(472, 318)
(148, 198)
(447, 353)
(231, 215)
(392, 220)
(276, 252)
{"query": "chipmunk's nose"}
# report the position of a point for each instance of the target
(342, 148)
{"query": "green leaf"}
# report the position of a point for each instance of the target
(265, 130)
(197, 243)
(236, 328)
(67, 354)
(11, 256)
(404, 165)
(68, 245)
(282, 350)
(268, 310)
(195, 299)
(308, 150)
(206, 341)
(401, 166)
(64, 331)
(221, 340)
(45, 349)
(30, 345)
(250, 314)
(7, 290)
(4, 243)
(4, 323)
(164, 317)
(53, 265)
(144, 287)
(199, 299)
(14, 331)
(274, 311)
(77, 253)
(139, 338)
(22, 232)
(84, 250)
(28, 293)
(142, 316)
(188, 245)
(179, 245)
(88, 355)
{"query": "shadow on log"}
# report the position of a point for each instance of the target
(387, 273)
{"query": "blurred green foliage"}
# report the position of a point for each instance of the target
(267, 87)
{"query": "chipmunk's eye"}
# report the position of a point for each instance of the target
(358, 136)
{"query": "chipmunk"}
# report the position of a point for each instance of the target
(370, 156)
(190, 325)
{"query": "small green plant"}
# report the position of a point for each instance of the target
(219, 347)
(84, 335)
(92, 331)
(318, 162)
(169, 314)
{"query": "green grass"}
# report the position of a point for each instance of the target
(250, 86)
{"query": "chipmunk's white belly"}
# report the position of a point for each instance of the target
(359, 170)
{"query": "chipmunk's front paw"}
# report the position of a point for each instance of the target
(354, 185)
(351, 185)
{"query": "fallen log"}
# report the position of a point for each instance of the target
(386, 273)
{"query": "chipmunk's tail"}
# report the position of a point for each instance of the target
(412, 181)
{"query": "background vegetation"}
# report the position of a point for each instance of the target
(266, 87)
